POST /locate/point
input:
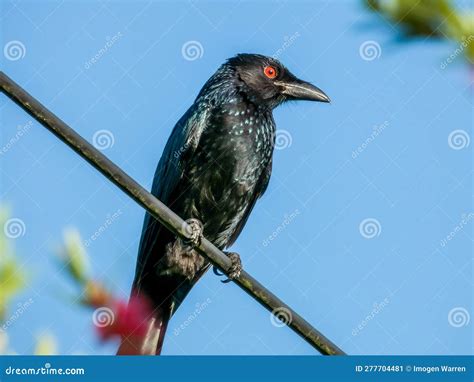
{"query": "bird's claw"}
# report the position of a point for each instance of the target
(194, 229)
(235, 269)
(217, 271)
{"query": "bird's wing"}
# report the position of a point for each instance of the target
(180, 146)
(169, 173)
(259, 191)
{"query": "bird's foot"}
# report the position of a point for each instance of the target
(217, 271)
(194, 229)
(234, 270)
(236, 267)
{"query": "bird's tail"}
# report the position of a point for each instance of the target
(150, 341)
(165, 294)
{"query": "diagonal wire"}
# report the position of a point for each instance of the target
(163, 214)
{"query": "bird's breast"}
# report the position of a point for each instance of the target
(243, 135)
(232, 155)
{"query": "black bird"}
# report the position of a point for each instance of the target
(216, 164)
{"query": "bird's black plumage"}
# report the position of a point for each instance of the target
(216, 164)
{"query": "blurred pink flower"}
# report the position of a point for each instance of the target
(122, 319)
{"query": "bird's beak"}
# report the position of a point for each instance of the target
(302, 90)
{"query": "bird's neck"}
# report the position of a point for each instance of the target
(225, 85)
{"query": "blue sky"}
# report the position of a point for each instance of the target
(363, 193)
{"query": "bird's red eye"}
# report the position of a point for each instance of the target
(270, 72)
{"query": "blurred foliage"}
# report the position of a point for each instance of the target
(3, 342)
(46, 345)
(113, 317)
(11, 278)
(75, 259)
(74, 256)
(429, 18)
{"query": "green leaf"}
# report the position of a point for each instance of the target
(46, 345)
(74, 256)
(430, 18)
(11, 278)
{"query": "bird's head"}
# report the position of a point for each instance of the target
(267, 80)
